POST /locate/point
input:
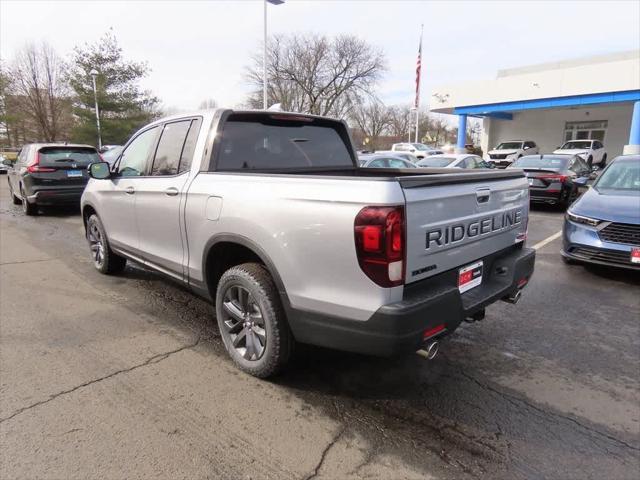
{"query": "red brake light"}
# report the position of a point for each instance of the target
(554, 177)
(380, 244)
(36, 168)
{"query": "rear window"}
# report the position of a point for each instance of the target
(436, 162)
(281, 142)
(544, 162)
(58, 156)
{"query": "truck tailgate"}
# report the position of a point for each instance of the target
(454, 219)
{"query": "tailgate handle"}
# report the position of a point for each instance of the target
(482, 195)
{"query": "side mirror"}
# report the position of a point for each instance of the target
(100, 170)
(581, 181)
(526, 148)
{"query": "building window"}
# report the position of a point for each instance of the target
(594, 130)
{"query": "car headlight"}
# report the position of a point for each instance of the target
(592, 222)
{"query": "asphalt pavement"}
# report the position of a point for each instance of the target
(126, 376)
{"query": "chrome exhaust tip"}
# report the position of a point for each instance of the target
(430, 351)
(514, 297)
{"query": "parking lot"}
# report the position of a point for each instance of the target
(126, 376)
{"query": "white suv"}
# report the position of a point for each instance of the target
(590, 150)
(420, 150)
(508, 152)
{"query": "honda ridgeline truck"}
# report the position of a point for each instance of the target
(268, 215)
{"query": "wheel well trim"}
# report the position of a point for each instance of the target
(250, 245)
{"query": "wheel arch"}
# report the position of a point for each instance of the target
(87, 211)
(224, 251)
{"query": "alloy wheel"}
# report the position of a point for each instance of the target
(244, 323)
(96, 244)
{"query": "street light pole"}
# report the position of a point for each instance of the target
(264, 52)
(94, 74)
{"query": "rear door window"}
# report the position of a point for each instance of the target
(170, 146)
(190, 146)
(282, 142)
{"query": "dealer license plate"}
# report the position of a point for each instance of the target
(470, 276)
(74, 173)
(635, 255)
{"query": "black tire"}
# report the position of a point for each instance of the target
(248, 310)
(590, 161)
(104, 259)
(603, 163)
(14, 199)
(29, 209)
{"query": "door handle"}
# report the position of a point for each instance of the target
(130, 190)
(171, 191)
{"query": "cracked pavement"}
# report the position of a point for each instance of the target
(118, 377)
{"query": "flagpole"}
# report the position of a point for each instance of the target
(418, 85)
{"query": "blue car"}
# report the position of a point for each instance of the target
(603, 226)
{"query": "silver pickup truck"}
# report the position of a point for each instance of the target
(268, 215)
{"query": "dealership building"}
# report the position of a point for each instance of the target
(587, 98)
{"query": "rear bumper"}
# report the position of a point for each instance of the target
(58, 196)
(399, 327)
(544, 196)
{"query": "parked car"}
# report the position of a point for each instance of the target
(5, 164)
(410, 157)
(603, 226)
(269, 215)
(462, 160)
(507, 152)
(106, 148)
(420, 150)
(384, 161)
(591, 150)
(554, 179)
(50, 174)
(112, 154)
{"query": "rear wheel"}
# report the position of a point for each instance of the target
(251, 320)
(104, 259)
(14, 198)
(28, 208)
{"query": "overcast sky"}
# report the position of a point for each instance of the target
(198, 49)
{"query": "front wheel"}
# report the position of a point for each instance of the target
(590, 161)
(603, 162)
(251, 320)
(104, 259)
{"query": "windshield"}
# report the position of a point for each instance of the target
(58, 156)
(436, 162)
(420, 146)
(621, 175)
(579, 144)
(546, 162)
(509, 146)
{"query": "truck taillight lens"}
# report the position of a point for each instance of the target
(380, 244)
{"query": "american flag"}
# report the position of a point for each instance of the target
(418, 68)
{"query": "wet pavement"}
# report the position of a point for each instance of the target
(126, 376)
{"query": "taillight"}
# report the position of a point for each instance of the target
(380, 244)
(554, 178)
(36, 168)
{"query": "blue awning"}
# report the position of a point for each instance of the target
(503, 110)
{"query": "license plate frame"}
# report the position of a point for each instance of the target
(470, 276)
(634, 256)
(74, 173)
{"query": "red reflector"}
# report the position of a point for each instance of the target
(522, 282)
(432, 331)
(371, 238)
(465, 277)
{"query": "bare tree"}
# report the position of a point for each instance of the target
(208, 104)
(373, 119)
(38, 79)
(401, 121)
(316, 74)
